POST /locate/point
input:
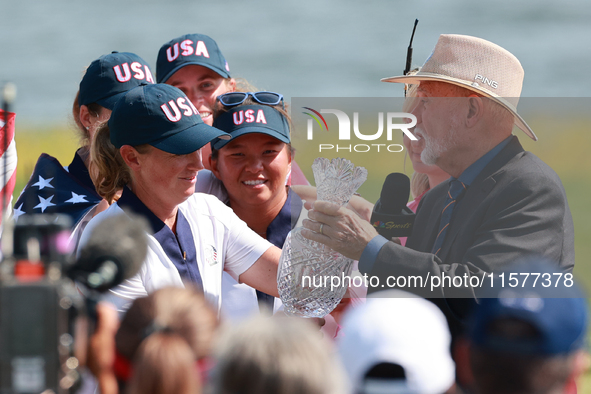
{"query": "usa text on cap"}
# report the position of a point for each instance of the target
(162, 116)
(190, 49)
(110, 76)
(245, 119)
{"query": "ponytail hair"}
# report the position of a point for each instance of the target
(108, 171)
(164, 363)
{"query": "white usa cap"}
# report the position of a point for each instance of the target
(398, 328)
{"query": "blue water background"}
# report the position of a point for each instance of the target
(304, 48)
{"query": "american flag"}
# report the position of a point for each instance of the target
(8, 159)
(52, 189)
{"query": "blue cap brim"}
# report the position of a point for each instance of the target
(109, 102)
(221, 72)
(190, 139)
(220, 143)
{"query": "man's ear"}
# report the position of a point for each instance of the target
(130, 156)
(475, 110)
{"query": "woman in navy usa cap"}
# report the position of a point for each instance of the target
(69, 190)
(195, 64)
(150, 149)
(248, 174)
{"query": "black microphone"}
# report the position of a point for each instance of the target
(115, 252)
(391, 217)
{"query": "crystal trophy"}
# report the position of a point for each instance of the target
(309, 271)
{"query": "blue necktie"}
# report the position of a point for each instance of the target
(456, 188)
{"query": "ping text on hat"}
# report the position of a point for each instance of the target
(485, 80)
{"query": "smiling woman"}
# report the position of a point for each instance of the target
(195, 64)
(193, 237)
(253, 167)
(162, 180)
(202, 86)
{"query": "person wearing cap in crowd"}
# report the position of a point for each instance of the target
(195, 64)
(70, 190)
(526, 339)
(150, 149)
(396, 343)
(500, 203)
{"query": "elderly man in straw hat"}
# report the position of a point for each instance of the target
(500, 203)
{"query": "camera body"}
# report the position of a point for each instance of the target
(42, 314)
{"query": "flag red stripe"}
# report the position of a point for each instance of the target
(8, 129)
(8, 189)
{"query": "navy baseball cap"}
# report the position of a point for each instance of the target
(108, 78)
(245, 119)
(197, 49)
(548, 318)
(162, 116)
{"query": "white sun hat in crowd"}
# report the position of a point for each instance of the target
(403, 330)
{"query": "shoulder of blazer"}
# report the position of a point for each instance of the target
(510, 152)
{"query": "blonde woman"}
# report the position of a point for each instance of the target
(150, 149)
(425, 176)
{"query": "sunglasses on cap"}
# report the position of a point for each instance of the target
(236, 98)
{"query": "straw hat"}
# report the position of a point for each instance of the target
(478, 65)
